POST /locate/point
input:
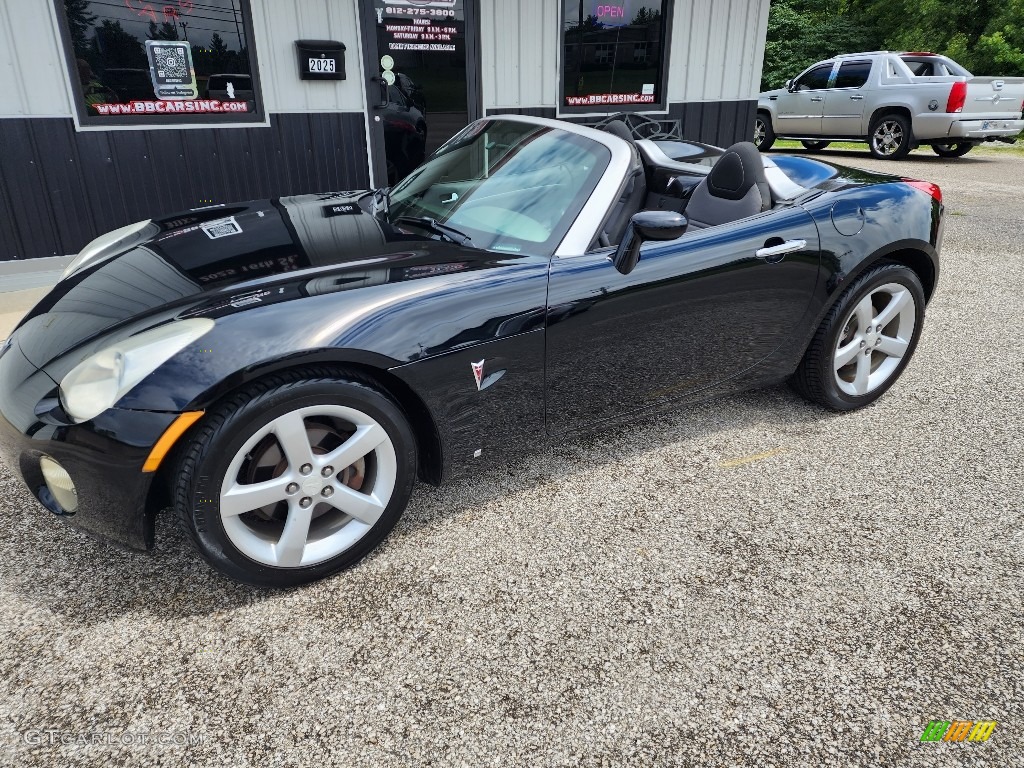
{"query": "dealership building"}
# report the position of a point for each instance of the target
(113, 111)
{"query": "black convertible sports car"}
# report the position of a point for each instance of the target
(280, 371)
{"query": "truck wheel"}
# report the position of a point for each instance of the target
(815, 146)
(764, 136)
(952, 150)
(890, 137)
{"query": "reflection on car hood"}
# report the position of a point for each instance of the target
(226, 258)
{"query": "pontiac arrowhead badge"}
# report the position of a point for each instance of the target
(478, 372)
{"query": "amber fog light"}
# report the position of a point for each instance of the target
(58, 481)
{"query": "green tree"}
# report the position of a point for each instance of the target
(802, 32)
(646, 16)
(117, 48)
(80, 22)
(166, 31)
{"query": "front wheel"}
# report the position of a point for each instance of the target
(865, 341)
(764, 136)
(296, 478)
(890, 137)
(946, 149)
(815, 146)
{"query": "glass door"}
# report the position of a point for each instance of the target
(423, 65)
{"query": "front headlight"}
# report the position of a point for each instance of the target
(99, 381)
(111, 244)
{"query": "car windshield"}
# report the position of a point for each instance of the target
(508, 185)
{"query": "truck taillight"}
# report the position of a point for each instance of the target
(932, 190)
(957, 98)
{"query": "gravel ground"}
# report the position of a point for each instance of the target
(750, 582)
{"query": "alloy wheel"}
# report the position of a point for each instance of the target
(875, 338)
(759, 132)
(308, 485)
(888, 137)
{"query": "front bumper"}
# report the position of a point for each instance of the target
(104, 457)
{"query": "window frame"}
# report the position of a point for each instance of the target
(831, 67)
(658, 107)
(84, 120)
(851, 62)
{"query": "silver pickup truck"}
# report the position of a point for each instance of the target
(893, 101)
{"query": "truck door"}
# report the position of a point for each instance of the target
(800, 110)
(844, 102)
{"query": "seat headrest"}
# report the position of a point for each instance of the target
(620, 129)
(736, 171)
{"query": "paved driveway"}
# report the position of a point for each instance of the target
(748, 582)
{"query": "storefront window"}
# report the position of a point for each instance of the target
(614, 54)
(168, 62)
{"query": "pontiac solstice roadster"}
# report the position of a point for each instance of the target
(279, 372)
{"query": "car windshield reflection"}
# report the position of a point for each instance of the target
(509, 186)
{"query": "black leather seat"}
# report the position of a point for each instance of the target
(735, 189)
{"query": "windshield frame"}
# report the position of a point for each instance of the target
(579, 222)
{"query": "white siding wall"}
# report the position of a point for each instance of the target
(519, 46)
(717, 54)
(717, 51)
(32, 79)
(278, 24)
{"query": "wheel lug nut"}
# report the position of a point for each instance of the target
(327, 471)
(877, 342)
(867, 351)
(878, 329)
(306, 469)
(327, 492)
(862, 344)
(292, 488)
(305, 502)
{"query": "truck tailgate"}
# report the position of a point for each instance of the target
(1002, 96)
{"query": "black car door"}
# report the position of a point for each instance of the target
(695, 312)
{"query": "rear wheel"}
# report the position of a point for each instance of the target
(865, 341)
(815, 146)
(764, 136)
(890, 137)
(296, 478)
(948, 149)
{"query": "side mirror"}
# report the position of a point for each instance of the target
(644, 226)
(789, 86)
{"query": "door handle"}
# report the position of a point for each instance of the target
(774, 253)
(817, 98)
(857, 98)
(450, 200)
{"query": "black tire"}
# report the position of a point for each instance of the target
(892, 123)
(816, 376)
(952, 150)
(815, 146)
(764, 135)
(217, 439)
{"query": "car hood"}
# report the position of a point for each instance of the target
(225, 259)
(768, 94)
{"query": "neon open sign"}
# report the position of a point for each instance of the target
(611, 14)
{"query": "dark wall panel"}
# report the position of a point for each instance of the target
(59, 189)
(721, 123)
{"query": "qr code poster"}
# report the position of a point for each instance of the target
(170, 66)
(222, 228)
